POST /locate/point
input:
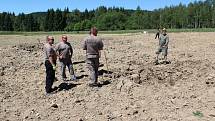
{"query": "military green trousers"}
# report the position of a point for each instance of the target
(93, 66)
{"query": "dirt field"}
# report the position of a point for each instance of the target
(134, 89)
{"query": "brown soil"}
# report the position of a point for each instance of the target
(133, 88)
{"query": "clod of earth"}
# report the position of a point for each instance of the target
(2, 73)
(54, 105)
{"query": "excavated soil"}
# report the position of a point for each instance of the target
(132, 87)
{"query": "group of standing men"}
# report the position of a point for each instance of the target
(92, 44)
(63, 51)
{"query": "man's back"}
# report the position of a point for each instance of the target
(92, 45)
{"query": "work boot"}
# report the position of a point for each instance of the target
(56, 79)
(156, 62)
(93, 84)
(167, 62)
(73, 78)
(64, 79)
(49, 92)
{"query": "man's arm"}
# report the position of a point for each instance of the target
(84, 45)
(51, 54)
(167, 41)
(157, 35)
(57, 47)
(51, 60)
(101, 45)
(71, 49)
(100, 54)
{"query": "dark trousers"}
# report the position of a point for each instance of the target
(50, 76)
(93, 65)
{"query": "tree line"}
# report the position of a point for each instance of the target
(199, 14)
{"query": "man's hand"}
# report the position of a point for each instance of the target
(54, 67)
(164, 46)
(60, 57)
(99, 54)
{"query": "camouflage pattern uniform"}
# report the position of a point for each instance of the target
(163, 44)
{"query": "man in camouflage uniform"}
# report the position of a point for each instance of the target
(93, 44)
(163, 46)
(50, 63)
(65, 52)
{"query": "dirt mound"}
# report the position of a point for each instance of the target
(20, 57)
(168, 74)
(150, 74)
(29, 47)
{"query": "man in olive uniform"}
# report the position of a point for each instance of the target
(163, 46)
(93, 44)
(65, 52)
(50, 63)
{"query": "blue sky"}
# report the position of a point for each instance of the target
(28, 6)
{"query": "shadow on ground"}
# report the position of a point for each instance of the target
(78, 62)
(82, 76)
(165, 62)
(65, 86)
(102, 72)
(104, 83)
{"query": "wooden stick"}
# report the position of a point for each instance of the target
(106, 60)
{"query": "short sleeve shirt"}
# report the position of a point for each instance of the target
(65, 50)
(92, 45)
(49, 51)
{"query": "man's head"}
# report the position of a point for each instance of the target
(164, 30)
(94, 31)
(50, 39)
(64, 38)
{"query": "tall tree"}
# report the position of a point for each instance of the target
(58, 20)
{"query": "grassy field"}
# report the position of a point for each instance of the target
(104, 32)
(65, 32)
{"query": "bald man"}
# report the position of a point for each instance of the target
(93, 44)
(50, 63)
(65, 52)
